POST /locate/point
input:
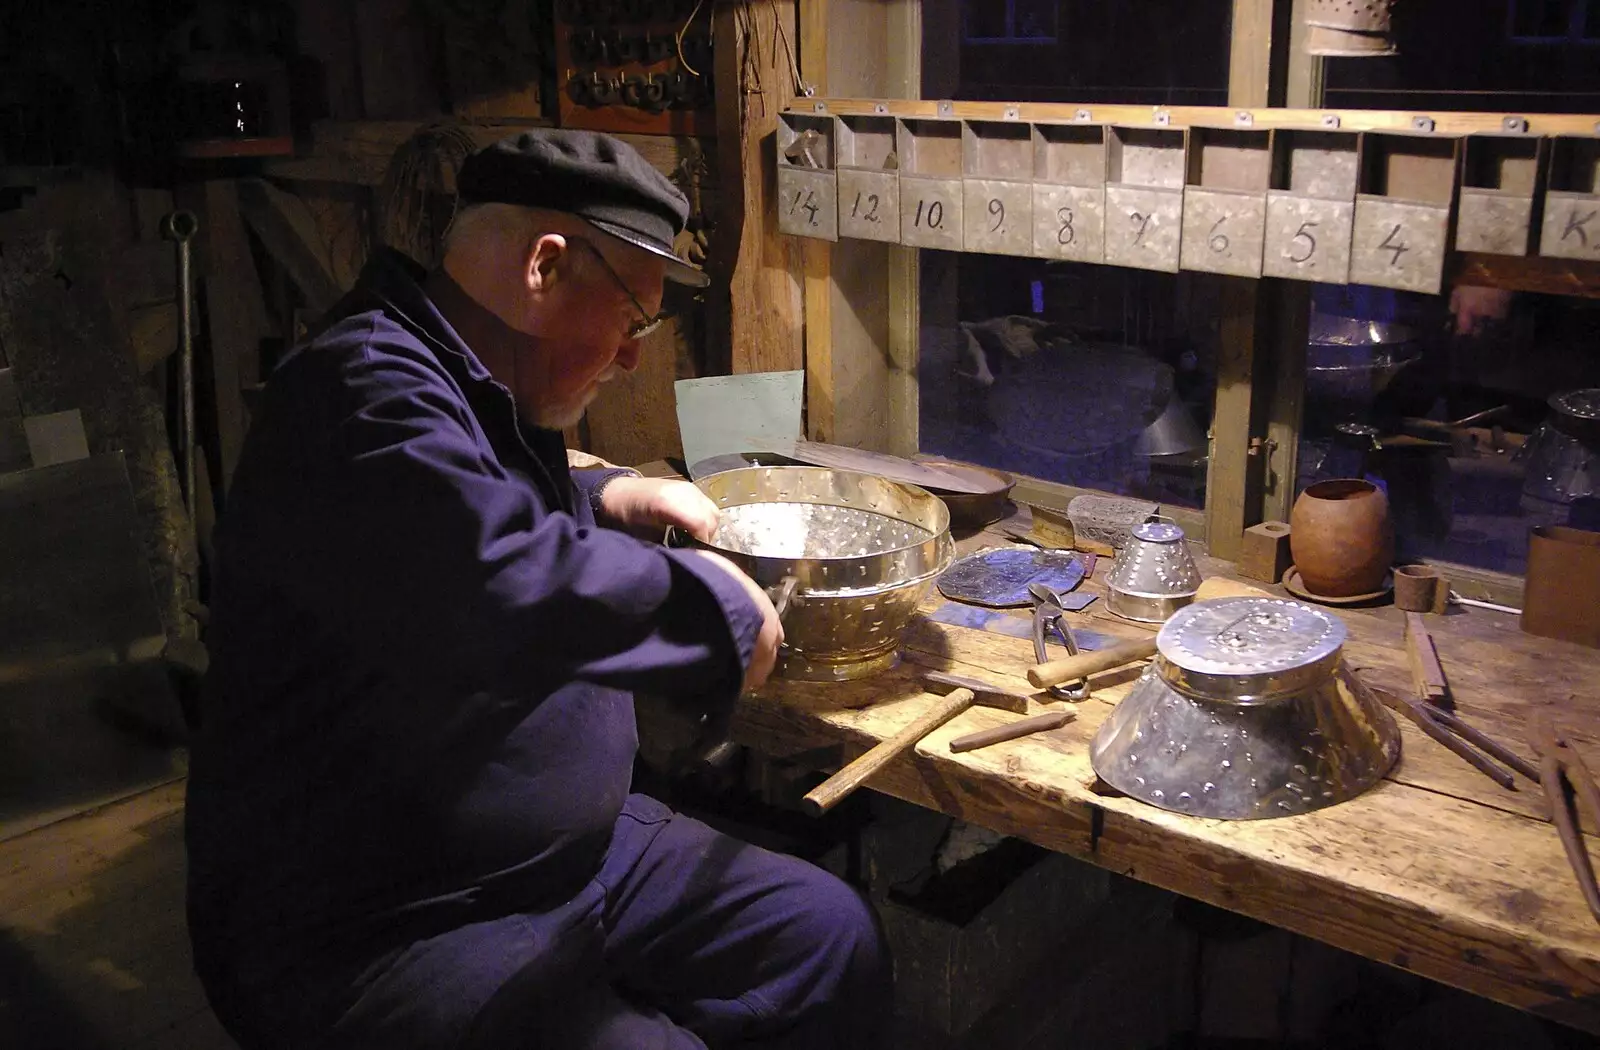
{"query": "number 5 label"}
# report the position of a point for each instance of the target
(1308, 238)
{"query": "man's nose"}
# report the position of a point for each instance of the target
(628, 355)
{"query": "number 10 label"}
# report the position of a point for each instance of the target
(930, 213)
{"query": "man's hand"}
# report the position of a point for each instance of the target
(1473, 308)
(764, 657)
(643, 504)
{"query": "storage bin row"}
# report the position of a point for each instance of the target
(1362, 207)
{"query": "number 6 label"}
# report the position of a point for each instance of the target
(1223, 231)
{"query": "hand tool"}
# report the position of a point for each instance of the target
(830, 792)
(1567, 784)
(1427, 675)
(1048, 616)
(180, 227)
(1455, 734)
(714, 750)
(1012, 730)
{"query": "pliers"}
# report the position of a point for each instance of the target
(1049, 616)
(1568, 784)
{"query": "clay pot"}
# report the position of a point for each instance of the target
(1341, 537)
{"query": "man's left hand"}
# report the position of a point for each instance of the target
(645, 504)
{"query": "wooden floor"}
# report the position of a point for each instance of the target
(94, 954)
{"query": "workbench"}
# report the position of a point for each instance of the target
(1437, 870)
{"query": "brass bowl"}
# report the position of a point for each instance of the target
(860, 578)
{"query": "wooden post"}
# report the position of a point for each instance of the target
(819, 406)
(757, 272)
(1237, 468)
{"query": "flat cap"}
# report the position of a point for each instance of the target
(596, 177)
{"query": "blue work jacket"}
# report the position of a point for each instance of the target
(418, 715)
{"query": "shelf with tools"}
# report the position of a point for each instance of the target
(1388, 199)
(642, 66)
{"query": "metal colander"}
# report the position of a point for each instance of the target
(863, 549)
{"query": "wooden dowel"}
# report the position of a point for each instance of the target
(1011, 731)
(1426, 672)
(830, 792)
(1042, 676)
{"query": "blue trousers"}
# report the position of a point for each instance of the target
(687, 939)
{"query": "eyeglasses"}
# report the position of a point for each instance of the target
(646, 323)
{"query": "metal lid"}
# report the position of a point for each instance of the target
(1248, 650)
(1585, 404)
(1158, 532)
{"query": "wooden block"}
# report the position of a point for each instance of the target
(1265, 552)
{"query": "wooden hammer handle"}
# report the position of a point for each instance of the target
(830, 792)
(1070, 668)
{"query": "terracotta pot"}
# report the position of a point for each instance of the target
(1341, 537)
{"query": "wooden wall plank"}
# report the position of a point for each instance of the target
(757, 272)
(325, 32)
(818, 255)
(399, 76)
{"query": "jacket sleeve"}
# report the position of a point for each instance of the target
(449, 567)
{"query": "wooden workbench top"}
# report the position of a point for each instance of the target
(1437, 869)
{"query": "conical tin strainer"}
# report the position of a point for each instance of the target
(1154, 575)
(1247, 711)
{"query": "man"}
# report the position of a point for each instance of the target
(409, 819)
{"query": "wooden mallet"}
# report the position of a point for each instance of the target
(969, 691)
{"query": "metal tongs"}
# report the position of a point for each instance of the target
(1568, 783)
(1048, 617)
(1450, 730)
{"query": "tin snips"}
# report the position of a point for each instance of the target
(1049, 617)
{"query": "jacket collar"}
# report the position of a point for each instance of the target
(397, 282)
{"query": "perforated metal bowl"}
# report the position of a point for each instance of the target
(864, 550)
(1248, 711)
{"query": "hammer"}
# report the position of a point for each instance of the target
(968, 691)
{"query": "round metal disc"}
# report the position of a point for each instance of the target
(1000, 577)
(1158, 532)
(1249, 636)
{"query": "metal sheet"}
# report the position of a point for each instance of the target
(869, 205)
(1493, 221)
(1308, 238)
(1223, 231)
(1000, 576)
(1144, 226)
(999, 216)
(1571, 226)
(1069, 222)
(1399, 244)
(931, 213)
(808, 203)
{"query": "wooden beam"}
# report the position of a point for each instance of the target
(818, 255)
(1527, 273)
(1236, 468)
(757, 272)
(290, 235)
(905, 299)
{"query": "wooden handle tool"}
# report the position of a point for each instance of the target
(832, 791)
(1427, 675)
(1011, 731)
(1071, 668)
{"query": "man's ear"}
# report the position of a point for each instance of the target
(548, 261)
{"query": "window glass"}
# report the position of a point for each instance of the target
(1088, 375)
(1389, 372)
